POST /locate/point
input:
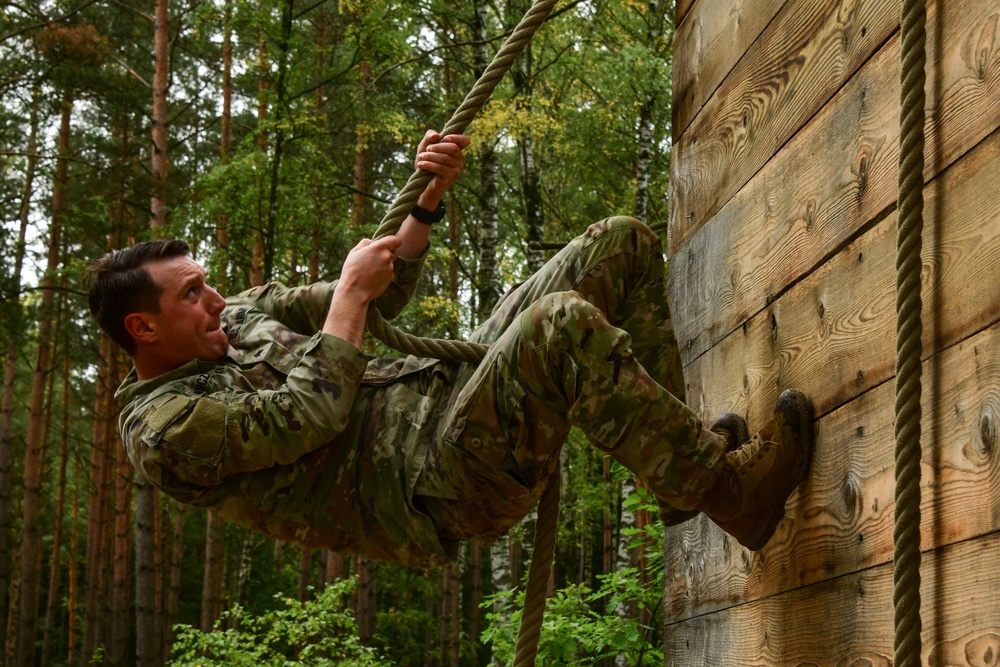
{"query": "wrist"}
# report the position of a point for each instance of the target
(427, 216)
(430, 197)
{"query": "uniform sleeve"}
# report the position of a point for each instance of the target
(303, 309)
(183, 442)
(403, 286)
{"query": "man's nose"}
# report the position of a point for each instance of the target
(216, 302)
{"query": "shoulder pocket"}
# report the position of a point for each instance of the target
(161, 414)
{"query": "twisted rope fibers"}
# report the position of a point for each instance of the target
(906, 529)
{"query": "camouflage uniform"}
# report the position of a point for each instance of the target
(299, 435)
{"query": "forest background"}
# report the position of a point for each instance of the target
(271, 135)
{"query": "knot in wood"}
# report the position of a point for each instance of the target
(851, 497)
(987, 435)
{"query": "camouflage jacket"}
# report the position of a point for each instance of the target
(295, 433)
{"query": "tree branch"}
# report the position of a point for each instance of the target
(131, 71)
(36, 26)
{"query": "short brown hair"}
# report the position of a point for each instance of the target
(120, 285)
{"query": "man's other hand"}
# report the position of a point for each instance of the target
(368, 269)
(445, 158)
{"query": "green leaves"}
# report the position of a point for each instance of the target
(317, 633)
(582, 626)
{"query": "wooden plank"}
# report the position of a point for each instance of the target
(832, 178)
(832, 333)
(681, 9)
(710, 41)
(835, 176)
(806, 54)
(841, 521)
(849, 621)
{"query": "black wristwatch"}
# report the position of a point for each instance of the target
(421, 214)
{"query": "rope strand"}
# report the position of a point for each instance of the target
(906, 529)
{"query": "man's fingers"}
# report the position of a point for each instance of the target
(459, 140)
(391, 242)
(430, 137)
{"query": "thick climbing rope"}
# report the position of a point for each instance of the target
(906, 529)
(453, 350)
(393, 219)
(538, 573)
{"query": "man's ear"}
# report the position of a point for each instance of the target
(140, 328)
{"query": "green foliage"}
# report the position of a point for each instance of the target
(583, 626)
(318, 633)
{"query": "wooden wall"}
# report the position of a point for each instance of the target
(782, 274)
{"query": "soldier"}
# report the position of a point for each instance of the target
(264, 408)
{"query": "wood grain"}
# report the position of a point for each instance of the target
(803, 57)
(832, 333)
(848, 621)
(710, 41)
(835, 176)
(840, 521)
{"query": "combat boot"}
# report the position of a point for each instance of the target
(734, 429)
(749, 498)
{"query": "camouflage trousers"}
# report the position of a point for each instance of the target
(587, 342)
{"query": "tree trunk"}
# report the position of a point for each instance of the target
(319, 196)
(121, 616)
(334, 567)
(174, 588)
(361, 152)
(451, 613)
(211, 590)
(305, 572)
(245, 567)
(30, 530)
(643, 160)
(608, 543)
(625, 557)
(96, 551)
(263, 85)
(161, 40)
(147, 649)
(501, 571)
(71, 604)
(489, 287)
(10, 374)
(120, 579)
(107, 525)
(271, 229)
(159, 508)
(55, 559)
(365, 606)
(226, 132)
(472, 627)
(533, 215)
(211, 586)
(531, 191)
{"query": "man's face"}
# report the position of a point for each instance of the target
(187, 325)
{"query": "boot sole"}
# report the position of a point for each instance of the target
(800, 468)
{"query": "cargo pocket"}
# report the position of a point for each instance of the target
(393, 453)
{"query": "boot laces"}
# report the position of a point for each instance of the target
(743, 458)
